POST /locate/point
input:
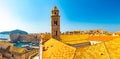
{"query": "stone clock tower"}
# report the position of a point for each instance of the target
(55, 23)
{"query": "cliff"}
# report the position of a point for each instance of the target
(24, 38)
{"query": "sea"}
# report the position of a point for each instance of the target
(4, 37)
(22, 44)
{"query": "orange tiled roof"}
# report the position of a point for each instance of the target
(75, 37)
(102, 38)
(17, 50)
(110, 49)
(57, 50)
(92, 52)
(5, 43)
(113, 47)
(117, 32)
(76, 42)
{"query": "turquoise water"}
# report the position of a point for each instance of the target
(4, 36)
(22, 44)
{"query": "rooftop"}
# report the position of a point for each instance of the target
(108, 49)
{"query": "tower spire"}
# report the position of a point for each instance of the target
(55, 11)
(55, 8)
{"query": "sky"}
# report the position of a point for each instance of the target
(33, 16)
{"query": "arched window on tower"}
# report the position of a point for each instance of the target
(55, 13)
(56, 32)
(55, 22)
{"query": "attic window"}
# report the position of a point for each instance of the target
(45, 49)
(101, 53)
(51, 45)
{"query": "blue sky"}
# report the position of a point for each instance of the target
(33, 16)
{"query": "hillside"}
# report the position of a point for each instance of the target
(14, 32)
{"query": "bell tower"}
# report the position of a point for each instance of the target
(55, 23)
